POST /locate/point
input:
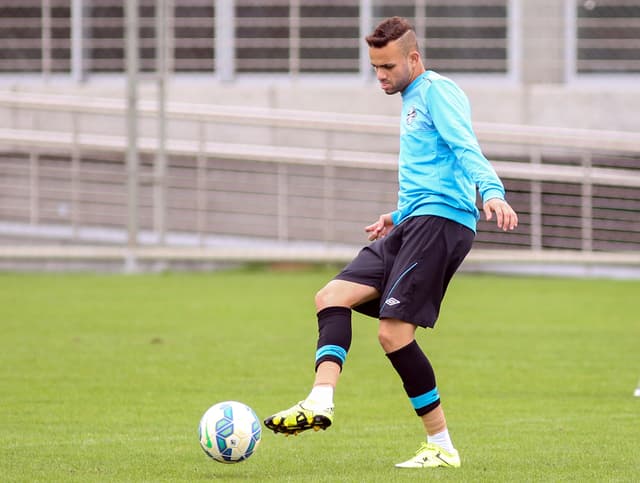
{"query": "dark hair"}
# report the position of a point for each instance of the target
(388, 30)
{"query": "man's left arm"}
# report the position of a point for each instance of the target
(451, 115)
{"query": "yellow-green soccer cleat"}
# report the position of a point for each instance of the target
(298, 418)
(431, 455)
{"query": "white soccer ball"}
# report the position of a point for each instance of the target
(229, 432)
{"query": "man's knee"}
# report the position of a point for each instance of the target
(341, 293)
(386, 337)
(395, 334)
(326, 297)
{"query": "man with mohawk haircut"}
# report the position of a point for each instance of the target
(401, 277)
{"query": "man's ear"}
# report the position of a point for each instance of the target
(414, 58)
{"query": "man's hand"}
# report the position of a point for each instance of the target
(380, 228)
(506, 218)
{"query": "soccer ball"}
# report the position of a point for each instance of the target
(229, 432)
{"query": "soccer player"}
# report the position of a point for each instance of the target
(401, 277)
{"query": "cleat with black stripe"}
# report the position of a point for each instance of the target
(299, 418)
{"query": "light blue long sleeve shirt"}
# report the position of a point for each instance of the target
(440, 162)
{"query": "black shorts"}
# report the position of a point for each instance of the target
(411, 268)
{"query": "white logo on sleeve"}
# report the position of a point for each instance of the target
(391, 301)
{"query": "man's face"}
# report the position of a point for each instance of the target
(394, 69)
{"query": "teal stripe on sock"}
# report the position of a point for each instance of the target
(425, 399)
(332, 350)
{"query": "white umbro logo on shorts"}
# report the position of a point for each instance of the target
(392, 301)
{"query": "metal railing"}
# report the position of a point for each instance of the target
(308, 177)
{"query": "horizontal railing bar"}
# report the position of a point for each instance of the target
(27, 139)
(286, 252)
(582, 139)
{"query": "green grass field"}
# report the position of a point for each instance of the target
(105, 377)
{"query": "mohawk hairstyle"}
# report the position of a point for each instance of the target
(388, 30)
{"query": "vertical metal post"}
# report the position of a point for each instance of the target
(132, 60)
(169, 34)
(571, 41)
(225, 39)
(34, 188)
(420, 24)
(514, 40)
(329, 201)
(160, 167)
(75, 192)
(46, 39)
(201, 184)
(75, 176)
(587, 205)
(536, 205)
(77, 41)
(283, 196)
(294, 38)
(366, 26)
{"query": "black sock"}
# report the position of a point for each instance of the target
(417, 376)
(334, 335)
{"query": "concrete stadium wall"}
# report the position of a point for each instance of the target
(541, 90)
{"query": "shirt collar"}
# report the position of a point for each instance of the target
(413, 84)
